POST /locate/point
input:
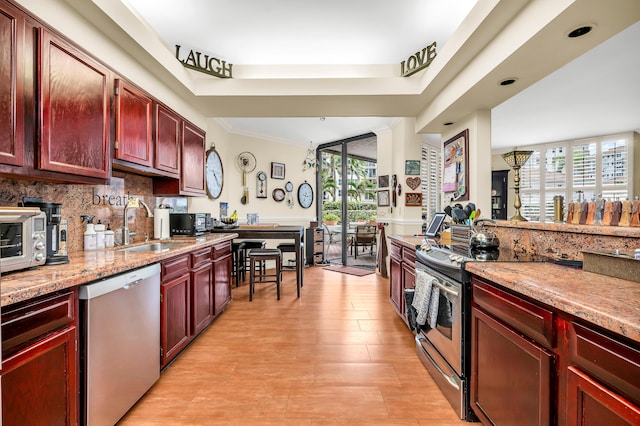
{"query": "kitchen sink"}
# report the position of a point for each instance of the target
(154, 246)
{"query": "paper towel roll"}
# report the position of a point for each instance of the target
(161, 223)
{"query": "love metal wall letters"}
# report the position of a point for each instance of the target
(418, 61)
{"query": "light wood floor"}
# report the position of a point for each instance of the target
(339, 355)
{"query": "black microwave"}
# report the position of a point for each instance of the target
(187, 224)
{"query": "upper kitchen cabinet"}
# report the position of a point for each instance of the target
(134, 111)
(191, 180)
(74, 110)
(12, 25)
(167, 136)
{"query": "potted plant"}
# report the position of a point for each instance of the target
(330, 219)
(372, 219)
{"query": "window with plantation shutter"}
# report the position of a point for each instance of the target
(431, 176)
(580, 170)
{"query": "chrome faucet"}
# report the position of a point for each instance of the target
(132, 203)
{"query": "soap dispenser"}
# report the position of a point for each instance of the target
(90, 237)
(100, 235)
(109, 237)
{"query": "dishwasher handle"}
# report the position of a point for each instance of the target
(113, 283)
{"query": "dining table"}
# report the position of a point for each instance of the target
(273, 232)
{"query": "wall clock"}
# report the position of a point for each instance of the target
(289, 188)
(305, 195)
(261, 185)
(214, 173)
(278, 194)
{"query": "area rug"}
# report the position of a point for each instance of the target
(351, 270)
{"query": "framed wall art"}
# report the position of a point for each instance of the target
(277, 170)
(455, 178)
(412, 167)
(413, 199)
(383, 198)
(383, 181)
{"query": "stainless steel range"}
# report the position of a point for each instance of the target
(443, 344)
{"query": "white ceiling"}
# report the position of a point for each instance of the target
(598, 93)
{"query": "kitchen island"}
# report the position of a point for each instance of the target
(553, 345)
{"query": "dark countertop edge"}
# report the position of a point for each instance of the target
(584, 295)
(611, 231)
(87, 266)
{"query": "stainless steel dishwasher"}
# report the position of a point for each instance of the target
(120, 343)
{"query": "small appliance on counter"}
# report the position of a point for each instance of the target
(23, 238)
(56, 230)
(188, 224)
(161, 223)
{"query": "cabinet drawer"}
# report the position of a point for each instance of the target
(25, 323)
(200, 257)
(221, 250)
(396, 250)
(174, 267)
(409, 256)
(529, 319)
(318, 235)
(318, 247)
(607, 359)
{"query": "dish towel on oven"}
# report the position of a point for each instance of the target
(426, 299)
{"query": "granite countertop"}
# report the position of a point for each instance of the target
(87, 266)
(610, 303)
(409, 241)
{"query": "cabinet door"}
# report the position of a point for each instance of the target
(591, 404)
(74, 111)
(201, 298)
(167, 136)
(174, 317)
(133, 125)
(39, 383)
(396, 285)
(222, 283)
(12, 26)
(192, 175)
(510, 375)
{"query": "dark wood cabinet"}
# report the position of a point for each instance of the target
(221, 276)
(167, 137)
(201, 290)
(511, 376)
(402, 274)
(74, 110)
(532, 364)
(12, 38)
(175, 312)
(314, 246)
(40, 361)
(191, 182)
(134, 109)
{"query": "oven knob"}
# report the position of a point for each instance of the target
(39, 257)
(39, 246)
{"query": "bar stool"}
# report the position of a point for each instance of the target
(237, 252)
(253, 244)
(290, 248)
(262, 255)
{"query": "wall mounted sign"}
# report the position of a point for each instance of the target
(413, 199)
(418, 61)
(203, 63)
(455, 181)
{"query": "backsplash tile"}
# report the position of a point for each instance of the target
(104, 202)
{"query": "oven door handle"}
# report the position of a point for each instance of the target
(447, 377)
(445, 289)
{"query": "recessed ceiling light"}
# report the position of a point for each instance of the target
(580, 31)
(448, 123)
(507, 81)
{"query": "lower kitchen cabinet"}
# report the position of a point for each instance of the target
(402, 274)
(221, 253)
(40, 361)
(201, 290)
(533, 364)
(175, 307)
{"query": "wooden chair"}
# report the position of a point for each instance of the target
(365, 236)
(258, 256)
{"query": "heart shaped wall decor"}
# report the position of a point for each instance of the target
(413, 182)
